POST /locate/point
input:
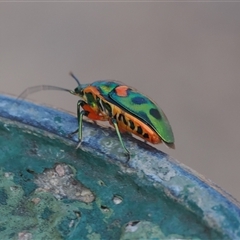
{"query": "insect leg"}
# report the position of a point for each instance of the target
(80, 115)
(114, 122)
(87, 111)
(79, 103)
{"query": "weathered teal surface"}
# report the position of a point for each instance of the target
(50, 190)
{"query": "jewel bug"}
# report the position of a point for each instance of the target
(126, 109)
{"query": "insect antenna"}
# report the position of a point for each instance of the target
(39, 88)
(75, 78)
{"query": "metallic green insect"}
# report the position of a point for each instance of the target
(123, 107)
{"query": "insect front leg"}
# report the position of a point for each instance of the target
(79, 105)
(114, 122)
(87, 111)
(80, 115)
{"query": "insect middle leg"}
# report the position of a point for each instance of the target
(89, 112)
(114, 122)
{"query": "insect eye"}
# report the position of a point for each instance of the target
(78, 90)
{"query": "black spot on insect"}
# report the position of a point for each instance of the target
(145, 135)
(122, 118)
(155, 113)
(139, 130)
(131, 124)
(108, 107)
(139, 100)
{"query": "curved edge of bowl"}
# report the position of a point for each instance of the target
(212, 204)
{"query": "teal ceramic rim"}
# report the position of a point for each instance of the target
(201, 196)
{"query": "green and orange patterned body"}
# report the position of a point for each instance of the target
(132, 111)
(123, 107)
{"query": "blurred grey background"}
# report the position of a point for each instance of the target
(185, 56)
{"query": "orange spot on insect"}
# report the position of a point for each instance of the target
(121, 91)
